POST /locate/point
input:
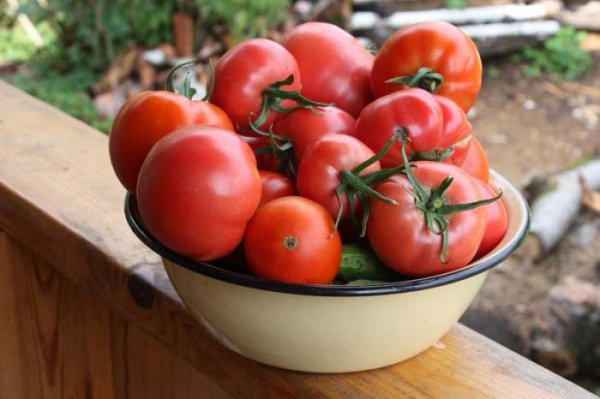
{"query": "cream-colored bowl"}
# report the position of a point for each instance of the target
(332, 328)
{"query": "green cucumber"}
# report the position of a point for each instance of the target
(360, 263)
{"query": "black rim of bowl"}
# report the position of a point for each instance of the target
(248, 280)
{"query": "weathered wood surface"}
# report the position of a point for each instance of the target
(78, 288)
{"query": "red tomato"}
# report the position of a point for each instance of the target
(444, 48)
(412, 112)
(496, 220)
(145, 119)
(475, 162)
(197, 189)
(335, 68)
(292, 239)
(456, 133)
(266, 161)
(245, 72)
(274, 185)
(399, 235)
(321, 168)
(305, 126)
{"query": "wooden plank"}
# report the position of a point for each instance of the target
(58, 195)
(62, 342)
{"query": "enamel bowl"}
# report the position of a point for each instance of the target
(328, 329)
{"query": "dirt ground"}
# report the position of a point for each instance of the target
(534, 127)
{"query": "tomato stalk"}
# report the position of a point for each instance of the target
(357, 187)
(435, 208)
(280, 147)
(424, 78)
(274, 95)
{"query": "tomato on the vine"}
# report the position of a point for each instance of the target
(411, 113)
(145, 119)
(335, 68)
(254, 81)
(436, 56)
(292, 239)
(197, 189)
(437, 224)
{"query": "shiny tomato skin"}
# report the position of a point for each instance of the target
(456, 131)
(319, 171)
(437, 45)
(414, 110)
(274, 185)
(399, 235)
(197, 189)
(335, 68)
(292, 239)
(244, 72)
(476, 162)
(304, 126)
(496, 220)
(146, 118)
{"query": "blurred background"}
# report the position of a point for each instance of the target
(538, 117)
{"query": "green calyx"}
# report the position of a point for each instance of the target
(186, 88)
(281, 148)
(434, 206)
(357, 188)
(274, 95)
(425, 78)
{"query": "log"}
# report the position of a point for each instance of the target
(555, 203)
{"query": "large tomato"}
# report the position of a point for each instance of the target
(292, 239)
(274, 185)
(475, 161)
(496, 220)
(243, 75)
(335, 68)
(197, 189)
(146, 118)
(456, 133)
(412, 113)
(304, 126)
(408, 236)
(443, 48)
(326, 164)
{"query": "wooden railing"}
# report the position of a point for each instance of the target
(88, 312)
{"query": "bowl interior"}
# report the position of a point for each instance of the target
(517, 229)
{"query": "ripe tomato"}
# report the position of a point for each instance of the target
(475, 162)
(496, 220)
(197, 189)
(335, 68)
(292, 239)
(413, 113)
(305, 126)
(456, 133)
(145, 119)
(323, 167)
(440, 46)
(274, 185)
(400, 235)
(243, 74)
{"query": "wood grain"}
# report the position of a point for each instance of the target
(60, 199)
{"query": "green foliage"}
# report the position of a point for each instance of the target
(559, 56)
(243, 18)
(452, 4)
(67, 93)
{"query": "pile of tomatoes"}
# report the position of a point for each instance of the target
(309, 144)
